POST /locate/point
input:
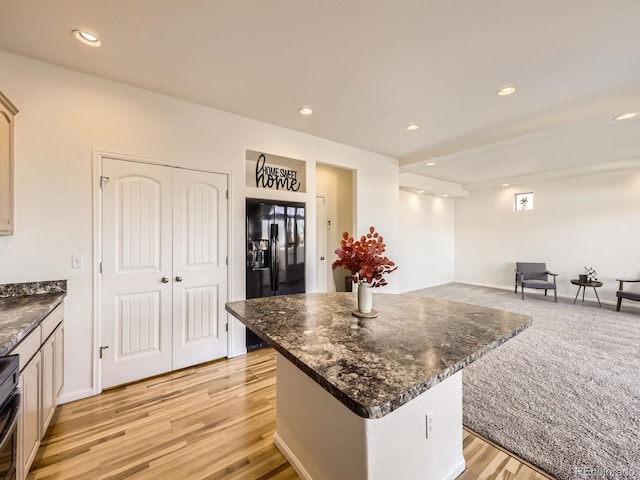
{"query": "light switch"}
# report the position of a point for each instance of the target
(77, 260)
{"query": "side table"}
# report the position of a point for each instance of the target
(583, 286)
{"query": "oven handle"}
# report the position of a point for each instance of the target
(13, 421)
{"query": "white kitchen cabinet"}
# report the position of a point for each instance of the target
(59, 360)
(48, 354)
(52, 353)
(29, 424)
(41, 379)
(7, 112)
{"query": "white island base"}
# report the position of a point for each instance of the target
(324, 440)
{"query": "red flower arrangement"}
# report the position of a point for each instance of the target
(363, 258)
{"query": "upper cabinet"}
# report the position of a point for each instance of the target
(7, 112)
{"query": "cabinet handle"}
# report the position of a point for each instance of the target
(164, 280)
(178, 278)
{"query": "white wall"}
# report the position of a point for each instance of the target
(65, 115)
(582, 221)
(426, 257)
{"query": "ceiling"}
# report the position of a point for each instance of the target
(369, 68)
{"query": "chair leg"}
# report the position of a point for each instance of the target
(555, 295)
(545, 292)
(619, 303)
(516, 291)
(522, 290)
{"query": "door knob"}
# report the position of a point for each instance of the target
(178, 278)
(321, 258)
(164, 280)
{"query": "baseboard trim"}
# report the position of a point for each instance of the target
(77, 395)
(302, 472)
(456, 471)
(237, 353)
(628, 304)
(567, 297)
(289, 455)
(486, 285)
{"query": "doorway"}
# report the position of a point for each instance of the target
(164, 272)
(336, 186)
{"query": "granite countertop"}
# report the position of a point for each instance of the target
(23, 307)
(373, 366)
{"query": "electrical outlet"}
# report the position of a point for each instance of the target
(429, 424)
(77, 260)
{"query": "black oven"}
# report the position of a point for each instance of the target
(9, 409)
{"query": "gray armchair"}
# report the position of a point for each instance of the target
(621, 293)
(535, 275)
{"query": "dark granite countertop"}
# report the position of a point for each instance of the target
(23, 307)
(374, 366)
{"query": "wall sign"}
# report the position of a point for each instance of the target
(275, 173)
(281, 178)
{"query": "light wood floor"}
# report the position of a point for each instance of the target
(214, 421)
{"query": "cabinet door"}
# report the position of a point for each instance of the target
(59, 361)
(7, 111)
(48, 352)
(29, 425)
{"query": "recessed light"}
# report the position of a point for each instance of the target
(430, 164)
(507, 90)
(305, 111)
(86, 37)
(420, 191)
(445, 194)
(626, 116)
(506, 184)
(412, 127)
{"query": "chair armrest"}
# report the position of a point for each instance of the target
(620, 288)
(549, 273)
(519, 276)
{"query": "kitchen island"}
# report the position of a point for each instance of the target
(373, 398)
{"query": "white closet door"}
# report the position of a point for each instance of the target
(137, 255)
(199, 267)
(321, 244)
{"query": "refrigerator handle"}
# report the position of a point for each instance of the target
(274, 270)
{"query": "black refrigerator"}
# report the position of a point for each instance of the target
(275, 252)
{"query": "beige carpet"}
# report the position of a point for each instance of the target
(565, 394)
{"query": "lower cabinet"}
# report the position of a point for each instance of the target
(58, 374)
(29, 424)
(49, 395)
(41, 380)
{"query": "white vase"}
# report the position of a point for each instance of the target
(365, 298)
